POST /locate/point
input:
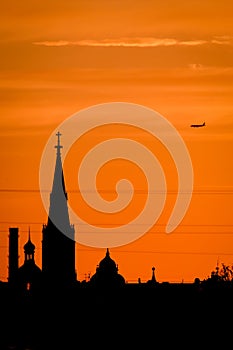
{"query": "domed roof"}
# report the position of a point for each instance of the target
(29, 247)
(107, 273)
(107, 263)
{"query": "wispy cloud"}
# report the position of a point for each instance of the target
(196, 66)
(54, 43)
(222, 40)
(133, 42)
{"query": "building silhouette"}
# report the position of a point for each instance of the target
(58, 250)
(129, 316)
(58, 241)
(13, 256)
(153, 280)
(106, 274)
(29, 275)
(58, 247)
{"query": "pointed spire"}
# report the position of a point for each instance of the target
(153, 281)
(153, 274)
(29, 236)
(29, 248)
(58, 181)
(58, 146)
(58, 211)
(58, 243)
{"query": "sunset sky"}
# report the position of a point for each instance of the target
(175, 57)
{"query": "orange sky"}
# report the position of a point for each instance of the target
(174, 57)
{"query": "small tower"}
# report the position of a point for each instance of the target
(152, 281)
(13, 255)
(29, 250)
(29, 275)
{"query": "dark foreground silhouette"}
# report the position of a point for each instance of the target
(48, 309)
(127, 316)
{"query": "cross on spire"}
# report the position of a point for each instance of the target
(58, 146)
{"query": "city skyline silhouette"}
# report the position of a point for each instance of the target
(58, 250)
(58, 169)
(61, 62)
(58, 245)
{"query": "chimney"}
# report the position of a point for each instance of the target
(13, 254)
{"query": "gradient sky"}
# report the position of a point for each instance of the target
(175, 57)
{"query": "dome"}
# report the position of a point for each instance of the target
(107, 273)
(29, 246)
(107, 263)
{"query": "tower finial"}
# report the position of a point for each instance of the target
(58, 146)
(29, 235)
(153, 274)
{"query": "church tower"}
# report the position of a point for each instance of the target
(58, 236)
(29, 275)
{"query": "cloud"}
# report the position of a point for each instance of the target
(192, 42)
(222, 40)
(142, 42)
(196, 66)
(53, 43)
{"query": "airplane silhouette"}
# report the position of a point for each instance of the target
(197, 125)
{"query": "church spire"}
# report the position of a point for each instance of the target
(58, 243)
(29, 234)
(58, 181)
(58, 146)
(58, 211)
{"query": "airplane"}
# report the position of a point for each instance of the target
(197, 125)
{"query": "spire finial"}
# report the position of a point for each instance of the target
(58, 146)
(29, 235)
(153, 273)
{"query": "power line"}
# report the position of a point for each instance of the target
(161, 252)
(21, 223)
(136, 191)
(161, 233)
(17, 190)
(118, 224)
(154, 232)
(83, 250)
